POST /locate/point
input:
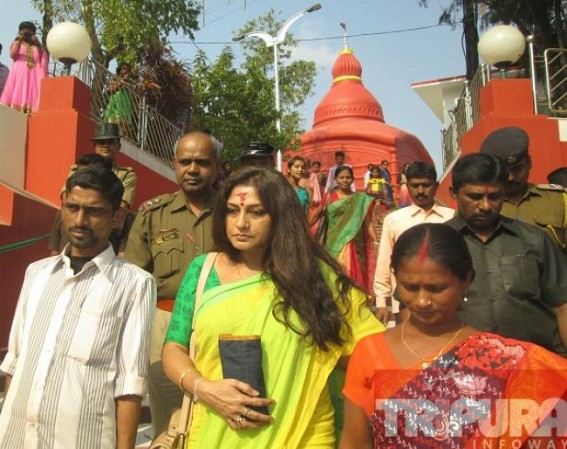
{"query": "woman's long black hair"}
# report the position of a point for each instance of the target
(293, 259)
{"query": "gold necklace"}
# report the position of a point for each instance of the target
(426, 362)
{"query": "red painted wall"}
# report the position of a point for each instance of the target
(57, 134)
(508, 102)
(29, 219)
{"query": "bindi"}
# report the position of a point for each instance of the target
(242, 196)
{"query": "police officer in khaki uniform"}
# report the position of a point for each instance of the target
(543, 205)
(107, 143)
(168, 233)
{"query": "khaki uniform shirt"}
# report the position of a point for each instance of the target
(543, 205)
(127, 177)
(166, 236)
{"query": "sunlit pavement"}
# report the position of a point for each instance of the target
(144, 437)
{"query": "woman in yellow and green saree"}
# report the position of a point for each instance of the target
(272, 283)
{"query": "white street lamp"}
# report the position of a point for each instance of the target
(69, 43)
(274, 41)
(501, 46)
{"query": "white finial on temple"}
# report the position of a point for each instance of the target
(345, 38)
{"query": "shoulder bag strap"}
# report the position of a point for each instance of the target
(185, 416)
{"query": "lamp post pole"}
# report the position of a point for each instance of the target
(277, 86)
(274, 41)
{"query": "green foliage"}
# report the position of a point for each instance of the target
(124, 27)
(237, 103)
(546, 19)
(135, 31)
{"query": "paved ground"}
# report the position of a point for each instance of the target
(144, 436)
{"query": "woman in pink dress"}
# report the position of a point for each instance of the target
(21, 90)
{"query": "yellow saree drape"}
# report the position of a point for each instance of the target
(296, 372)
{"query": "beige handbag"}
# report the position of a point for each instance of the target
(180, 422)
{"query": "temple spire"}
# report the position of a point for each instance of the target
(345, 37)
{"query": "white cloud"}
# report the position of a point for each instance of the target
(321, 54)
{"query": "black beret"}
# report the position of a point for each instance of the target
(510, 144)
(258, 149)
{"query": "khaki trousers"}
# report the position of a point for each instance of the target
(165, 396)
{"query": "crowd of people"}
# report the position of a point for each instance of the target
(264, 295)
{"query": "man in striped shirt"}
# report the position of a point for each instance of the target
(77, 354)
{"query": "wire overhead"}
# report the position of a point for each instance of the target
(341, 36)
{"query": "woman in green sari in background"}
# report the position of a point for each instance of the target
(269, 280)
(350, 233)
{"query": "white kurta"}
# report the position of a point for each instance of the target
(77, 342)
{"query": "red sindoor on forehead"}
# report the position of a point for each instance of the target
(242, 196)
(423, 250)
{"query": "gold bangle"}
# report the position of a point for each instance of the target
(183, 374)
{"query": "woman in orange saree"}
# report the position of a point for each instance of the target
(434, 382)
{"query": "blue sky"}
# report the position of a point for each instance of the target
(391, 60)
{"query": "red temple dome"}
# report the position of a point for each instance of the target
(348, 97)
(350, 118)
(347, 65)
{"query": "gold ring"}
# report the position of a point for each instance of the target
(239, 421)
(246, 411)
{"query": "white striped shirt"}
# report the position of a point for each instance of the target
(77, 342)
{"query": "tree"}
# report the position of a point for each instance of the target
(135, 32)
(237, 104)
(546, 19)
(119, 28)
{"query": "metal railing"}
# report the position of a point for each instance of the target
(556, 79)
(463, 116)
(139, 122)
(550, 97)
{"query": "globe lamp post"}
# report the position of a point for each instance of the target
(501, 46)
(69, 43)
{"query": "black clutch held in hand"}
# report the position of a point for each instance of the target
(241, 359)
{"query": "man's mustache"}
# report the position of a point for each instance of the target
(80, 229)
(485, 215)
